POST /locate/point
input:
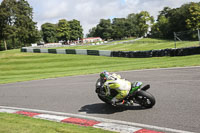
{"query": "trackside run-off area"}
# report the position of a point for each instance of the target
(89, 121)
(80, 121)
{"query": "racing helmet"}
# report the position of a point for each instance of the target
(104, 75)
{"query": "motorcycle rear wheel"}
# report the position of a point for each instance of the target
(145, 99)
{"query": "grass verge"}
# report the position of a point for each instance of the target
(140, 45)
(13, 123)
(16, 66)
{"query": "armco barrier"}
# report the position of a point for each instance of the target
(23, 50)
(104, 53)
(53, 51)
(70, 51)
(81, 51)
(44, 51)
(60, 51)
(29, 50)
(93, 52)
(36, 50)
(127, 54)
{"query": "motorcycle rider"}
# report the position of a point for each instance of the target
(114, 81)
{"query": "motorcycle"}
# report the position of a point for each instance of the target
(137, 94)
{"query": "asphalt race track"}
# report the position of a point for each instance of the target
(177, 93)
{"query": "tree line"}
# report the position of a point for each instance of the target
(62, 31)
(134, 25)
(17, 28)
(184, 18)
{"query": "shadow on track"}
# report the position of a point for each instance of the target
(102, 108)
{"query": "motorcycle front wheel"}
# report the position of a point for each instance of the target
(145, 99)
(104, 99)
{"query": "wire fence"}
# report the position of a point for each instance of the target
(187, 36)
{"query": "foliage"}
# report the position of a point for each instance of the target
(49, 32)
(143, 21)
(185, 18)
(103, 29)
(118, 26)
(16, 24)
(18, 29)
(92, 32)
(133, 25)
(193, 20)
(160, 29)
(62, 31)
(27, 30)
(76, 30)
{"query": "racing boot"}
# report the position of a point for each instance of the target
(129, 103)
(121, 103)
(115, 102)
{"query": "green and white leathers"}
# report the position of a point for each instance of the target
(122, 86)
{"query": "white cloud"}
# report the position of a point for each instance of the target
(89, 12)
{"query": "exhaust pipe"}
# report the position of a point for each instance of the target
(146, 87)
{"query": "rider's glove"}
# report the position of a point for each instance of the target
(107, 91)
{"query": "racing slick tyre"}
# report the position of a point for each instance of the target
(104, 99)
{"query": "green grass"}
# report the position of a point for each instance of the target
(16, 66)
(13, 123)
(140, 45)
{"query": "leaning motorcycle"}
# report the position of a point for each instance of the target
(137, 94)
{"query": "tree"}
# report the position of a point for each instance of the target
(161, 28)
(17, 26)
(165, 12)
(184, 18)
(104, 29)
(144, 20)
(92, 32)
(27, 29)
(193, 20)
(76, 30)
(49, 32)
(118, 28)
(63, 30)
(7, 19)
(131, 25)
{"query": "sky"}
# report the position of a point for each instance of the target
(89, 12)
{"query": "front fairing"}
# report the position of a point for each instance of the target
(135, 86)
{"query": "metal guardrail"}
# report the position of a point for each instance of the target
(128, 54)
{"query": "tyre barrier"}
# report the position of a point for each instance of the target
(127, 54)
